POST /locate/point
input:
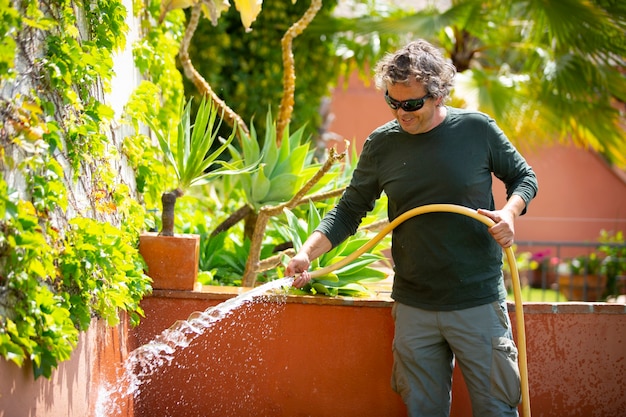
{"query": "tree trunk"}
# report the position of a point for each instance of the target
(249, 225)
(168, 200)
(241, 213)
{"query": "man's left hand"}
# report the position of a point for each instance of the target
(503, 231)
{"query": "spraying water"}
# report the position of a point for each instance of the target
(147, 359)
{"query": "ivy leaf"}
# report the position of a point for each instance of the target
(11, 351)
(44, 366)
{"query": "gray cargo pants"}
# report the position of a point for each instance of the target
(426, 344)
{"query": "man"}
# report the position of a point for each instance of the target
(448, 287)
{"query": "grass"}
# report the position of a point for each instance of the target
(538, 295)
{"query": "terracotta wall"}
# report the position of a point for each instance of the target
(74, 387)
(332, 357)
(579, 194)
(576, 359)
(274, 360)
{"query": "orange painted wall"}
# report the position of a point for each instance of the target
(576, 359)
(272, 360)
(579, 195)
(73, 389)
(316, 356)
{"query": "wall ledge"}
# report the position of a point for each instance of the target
(218, 293)
(572, 308)
(382, 299)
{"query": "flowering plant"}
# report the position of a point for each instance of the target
(542, 259)
(586, 265)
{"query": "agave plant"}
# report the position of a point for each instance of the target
(190, 155)
(348, 280)
(283, 169)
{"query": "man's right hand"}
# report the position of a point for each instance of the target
(298, 267)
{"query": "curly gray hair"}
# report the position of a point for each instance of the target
(421, 61)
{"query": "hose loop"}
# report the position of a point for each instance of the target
(517, 292)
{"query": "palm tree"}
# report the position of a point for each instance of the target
(546, 71)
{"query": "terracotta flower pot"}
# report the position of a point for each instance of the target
(582, 287)
(541, 277)
(172, 261)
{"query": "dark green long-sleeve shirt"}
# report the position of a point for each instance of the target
(442, 261)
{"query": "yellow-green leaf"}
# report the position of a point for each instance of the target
(249, 10)
(260, 186)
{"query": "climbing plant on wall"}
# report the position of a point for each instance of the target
(67, 218)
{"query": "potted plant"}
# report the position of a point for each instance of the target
(583, 278)
(615, 262)
(172, 259)
(542, 269)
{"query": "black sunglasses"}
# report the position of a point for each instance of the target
(413, 104)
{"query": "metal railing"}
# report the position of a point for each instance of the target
(544, 266)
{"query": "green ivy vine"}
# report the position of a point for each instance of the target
(63, 260)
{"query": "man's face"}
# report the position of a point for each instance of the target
(404, 96)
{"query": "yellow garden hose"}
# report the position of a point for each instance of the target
(517, 292)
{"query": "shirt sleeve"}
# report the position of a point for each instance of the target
(510, 167)
(358, 199)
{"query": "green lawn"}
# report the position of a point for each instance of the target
(538, 295)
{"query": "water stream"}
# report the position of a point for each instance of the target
(145, 360)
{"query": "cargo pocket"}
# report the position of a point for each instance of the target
(399, 380)
(505, 377)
